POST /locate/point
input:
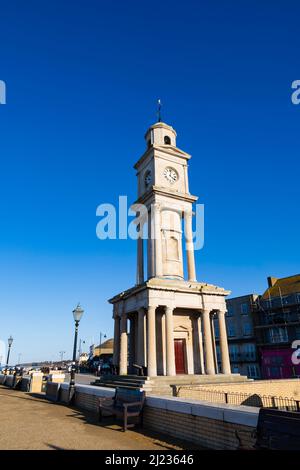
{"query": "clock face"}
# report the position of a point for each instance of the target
(148, 178)
(171, 175)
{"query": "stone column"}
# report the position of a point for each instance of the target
(209, 355)
(163, 333)
(116, 356)
(150, 242)
(196, 344)
(123, 345)
(189, 245)
(213, 338)
(151, 343)
(140, 257)
(141, 337)
(131, 344)
(225, 361)
(157, 241)
(201, 346)
(170, 354)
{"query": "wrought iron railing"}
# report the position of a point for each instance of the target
(236, 398)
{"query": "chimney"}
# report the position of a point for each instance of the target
(271, 281)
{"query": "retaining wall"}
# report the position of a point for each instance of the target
(210, 425)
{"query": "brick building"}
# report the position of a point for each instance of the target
(241, 339)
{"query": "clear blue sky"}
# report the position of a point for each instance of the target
(82, 81)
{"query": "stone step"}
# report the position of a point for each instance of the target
(124, 378)
(162, 385)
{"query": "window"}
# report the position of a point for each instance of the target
(231, 330)
(247, 329)
(278, 335)
(229, 310)
(167, 140)
(234, 352)
(297, 332)
(252, 371)
(244, 309)
(235, 369)
(249, 350)
(285, 300)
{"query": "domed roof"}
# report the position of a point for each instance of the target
(108, 344)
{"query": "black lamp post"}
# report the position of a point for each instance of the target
(104, 336)
(10, 342)
(77, 314)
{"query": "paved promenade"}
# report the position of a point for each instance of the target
(31, 422)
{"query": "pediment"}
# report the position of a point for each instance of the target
(181, 328)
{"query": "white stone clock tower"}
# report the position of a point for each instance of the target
(165, 323)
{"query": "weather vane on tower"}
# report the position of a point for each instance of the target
(159, 110)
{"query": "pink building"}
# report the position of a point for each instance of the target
(277, 364)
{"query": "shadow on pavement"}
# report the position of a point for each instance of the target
(163, 440)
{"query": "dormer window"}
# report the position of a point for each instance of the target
(167, 140)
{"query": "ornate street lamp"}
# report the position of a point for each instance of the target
(77, 314)
(10, 342)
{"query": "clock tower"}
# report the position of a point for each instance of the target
(164, 324)
(163, 188)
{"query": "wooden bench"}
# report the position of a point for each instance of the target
(278, 430)
(127, 403)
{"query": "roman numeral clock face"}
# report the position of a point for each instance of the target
(171, 175)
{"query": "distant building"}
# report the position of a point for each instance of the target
(241, 338)
(277, 325)
(104, 351)
(83, 358)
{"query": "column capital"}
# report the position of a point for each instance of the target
(151, 305)
(156, 206)
(221, 312)
(169, 307)
(205, 311)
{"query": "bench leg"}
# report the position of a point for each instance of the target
(125, 421)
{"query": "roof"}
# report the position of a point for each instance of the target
(109, 344)
(283, 286)
(163, 125)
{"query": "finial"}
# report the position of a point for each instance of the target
(159, 110)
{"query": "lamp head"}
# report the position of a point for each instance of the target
(77, 313)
